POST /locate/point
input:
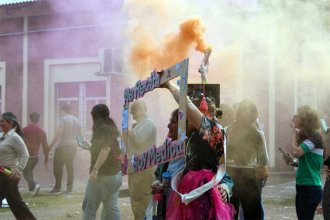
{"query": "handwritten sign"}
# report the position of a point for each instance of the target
(142, 87)
(169, 150)
(157, 155)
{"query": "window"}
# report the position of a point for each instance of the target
(111, 60)
(81, 96)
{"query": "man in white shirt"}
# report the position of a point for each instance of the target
(65, 138)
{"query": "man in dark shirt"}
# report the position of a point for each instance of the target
(34, 136)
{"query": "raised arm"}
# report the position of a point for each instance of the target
(194, 116)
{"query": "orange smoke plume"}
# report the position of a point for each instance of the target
(147, 54)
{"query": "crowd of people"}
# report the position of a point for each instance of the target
(222, 173)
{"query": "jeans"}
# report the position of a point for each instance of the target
(261, 183)
(246, 191)
(106, 190)
(307, 199)
(9, 190)
(64, 155)
(28, 172)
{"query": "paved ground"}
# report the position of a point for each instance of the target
(279, 201)
(278, 196)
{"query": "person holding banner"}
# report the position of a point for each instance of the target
(105, 171)
(176, 165)
(196, 194)
(141, 137)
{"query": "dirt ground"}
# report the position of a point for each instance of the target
(278, 196)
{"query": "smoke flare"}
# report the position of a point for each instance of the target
(147, 54)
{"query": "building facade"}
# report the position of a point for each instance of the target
(52, 54)
(55, 52)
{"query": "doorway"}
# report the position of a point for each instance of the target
(81, 96)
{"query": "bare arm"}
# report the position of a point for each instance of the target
(297, 151)
(327, 170)
(103, 155)
(58, 135)
(45, 147)
(194, 116)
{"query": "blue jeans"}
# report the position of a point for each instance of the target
(105, 189)
(307, 199)
(246, 192)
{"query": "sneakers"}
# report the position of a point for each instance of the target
(35, 191)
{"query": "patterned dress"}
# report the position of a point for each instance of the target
(204, 152)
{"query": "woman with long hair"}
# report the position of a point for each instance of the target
(247, 154)
(13, 158)
(204, 163)
(105, 171)
(307, 146)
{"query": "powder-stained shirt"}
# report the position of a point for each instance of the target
(249, 153)
(13, 151)
(71, 128)
(34, 136)
(142, 137)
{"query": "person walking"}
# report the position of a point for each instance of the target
(13, 158)
(66, 147)
(140, 137)
(105, 176)
(34, 136)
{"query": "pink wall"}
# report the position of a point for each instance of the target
(54, 36)
(11, 53)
